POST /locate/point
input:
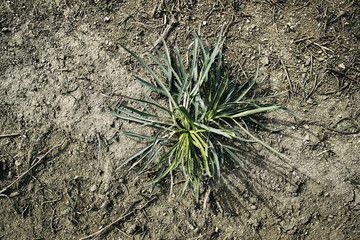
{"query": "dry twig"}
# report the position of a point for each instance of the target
(233, 54)
(227, 26)
(202, 20)
(99, 155)
(206, 198)
(10, 135)
(310, 42)
(163, 35)
(316, 85)
(342, 74)
(36, 163)
(303, 39)
(109, 226)
(288, 77)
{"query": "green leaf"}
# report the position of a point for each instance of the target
(262, 143)
(233, 155)
(153, 103)
(150, 160)
(157, 79)
(137, 135)
(216, 159)
(138, 118)
(254, 111)
(136, 154)
(248, 88)
(222, 132)
(149, 85)
(144, 114)
(181, 65)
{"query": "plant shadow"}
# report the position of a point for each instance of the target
(263, 180)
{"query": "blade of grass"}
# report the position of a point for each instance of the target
(262, 143)
(253, 111)
(137, 135)
(136, 154)
(216, 159)
(248, 88)
(163, 87)
(233, 155)
(153, 103)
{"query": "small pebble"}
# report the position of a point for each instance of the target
(67, 211)
(342, 66)
(131, 229)
(253, 207)
(107, 19)
(307, 138)
(14, 194)
(105, 204)
(18, 163)
(265, 61)
(93, 188)
(253, 200)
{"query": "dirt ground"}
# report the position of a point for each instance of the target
(62, 69)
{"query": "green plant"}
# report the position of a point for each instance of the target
(205, 108)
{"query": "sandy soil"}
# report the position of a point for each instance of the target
(62, 69)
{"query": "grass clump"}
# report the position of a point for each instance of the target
(206, 109)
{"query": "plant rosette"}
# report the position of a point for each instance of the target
(206, 108)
